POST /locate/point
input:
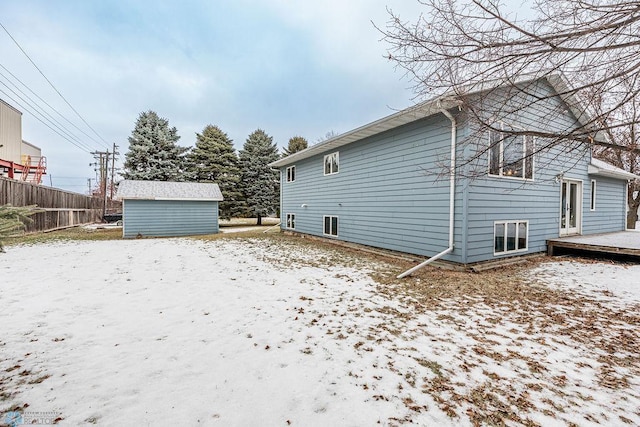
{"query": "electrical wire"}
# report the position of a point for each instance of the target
(44, 123)
(53, 122)
(53, 86)
(44, 102)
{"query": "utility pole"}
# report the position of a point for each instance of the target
(106, 178)
(89, 183)
(102, 162)
(113, 166)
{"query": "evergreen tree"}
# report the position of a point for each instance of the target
(214, 160)
(153, 151)
(12, 219)
(259, 183)
(296, 143)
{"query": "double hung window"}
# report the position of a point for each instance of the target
(510, 155)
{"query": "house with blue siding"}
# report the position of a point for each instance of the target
(162, 209)
(424, 181)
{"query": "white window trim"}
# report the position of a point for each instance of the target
(338, 224)
(506, 252)
(593, 195)
(501, 157)
(289, 169)
(337, 153)
(286, 224)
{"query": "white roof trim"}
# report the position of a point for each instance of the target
(186, 199)
(598, 167)
(430, 108)
(411, 114)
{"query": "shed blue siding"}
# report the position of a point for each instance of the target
(163, 218)
(382, 194)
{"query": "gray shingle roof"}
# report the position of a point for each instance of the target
(168, 190)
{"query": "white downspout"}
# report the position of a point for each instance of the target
(452, 194)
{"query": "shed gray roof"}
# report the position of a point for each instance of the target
(168, 190)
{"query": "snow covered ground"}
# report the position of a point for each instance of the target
(238, 332)
(617, 284)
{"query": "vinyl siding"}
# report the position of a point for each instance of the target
(493, 199)
(382, 193)
(611, 209)
(384, 197)
(160, 218)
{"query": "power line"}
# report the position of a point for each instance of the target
(54, 88)
(43, 122)
(45, 102)
(71, 177)
(42, 113)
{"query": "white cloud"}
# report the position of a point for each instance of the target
(343, 31)
(288, 67)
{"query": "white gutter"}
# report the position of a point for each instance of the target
(452, 194)
(272, 227)
(609, 171)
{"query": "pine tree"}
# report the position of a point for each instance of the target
(12, 219)
(296, 143)
(259, 183)
(214, 160)
(153, 151)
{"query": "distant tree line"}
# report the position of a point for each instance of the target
(249, 186)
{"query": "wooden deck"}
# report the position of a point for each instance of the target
(626, 243)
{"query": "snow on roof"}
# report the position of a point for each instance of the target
(599, 167)
(168, 190)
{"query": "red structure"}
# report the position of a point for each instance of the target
(28, 171)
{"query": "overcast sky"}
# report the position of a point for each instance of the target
(288, 67)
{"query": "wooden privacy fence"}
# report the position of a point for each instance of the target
(59, 208)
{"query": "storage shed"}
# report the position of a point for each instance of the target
(162, 209)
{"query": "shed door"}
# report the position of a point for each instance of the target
(570, 207)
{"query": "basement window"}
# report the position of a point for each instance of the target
(330, 225)
(291, 221)
(510, 236)
(331, 162)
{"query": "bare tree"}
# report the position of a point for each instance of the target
(489, 63)
(327, 136)
(627, 136)
(463, 50)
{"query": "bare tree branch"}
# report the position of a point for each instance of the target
(490, 60)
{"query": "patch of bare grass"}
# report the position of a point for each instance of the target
(513, 322)
(239, 222)
(76, 233)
